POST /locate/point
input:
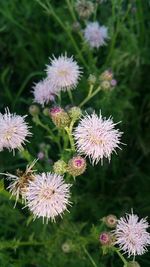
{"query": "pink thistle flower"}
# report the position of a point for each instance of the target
(48, 196)
(63, 72)
(13, 131)
(44, 92)
(131, 235)
(96, 137)
(95, 35)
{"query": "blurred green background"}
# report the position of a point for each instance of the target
(31, 31)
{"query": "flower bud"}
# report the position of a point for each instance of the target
(40, 155)
(46, 111)
(113, 82)
(105, 239)
(34, 110)
(92, 79)
(66, 247)
(84, 8)
(76, 26)
(133, 264)
(105, 85)
(59, 167)
(59, 117)
(110, 221)
(75, 113)
(76, 166)
(106, 75)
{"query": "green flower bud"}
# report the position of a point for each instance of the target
(59, 117)
(105, 85)
(34, 110)
(110, 221)
(92, 79)
(75, 113)
(46, 111)
(66, 247)
(76, 166)
(59, 167)
(133, 264)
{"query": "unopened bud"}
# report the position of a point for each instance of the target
(105, 239)
(76, 26)
(84, 8)
(46, 111)
(113, 82)
(59, 167)
(92, 79)
(34, 110)
(59, 117)
(66, 247)
(76, 166)
(75, 113)
(40, 155)
(105, 85)
(106, 75)
(133, 264)
(110, 221)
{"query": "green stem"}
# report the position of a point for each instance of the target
(70, 96)
(71, 10)
(121, 257)
(69, 132)
(89, 96)
(90, 257)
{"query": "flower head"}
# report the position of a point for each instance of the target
(48, 196)
(76, 166)
(84, 8)
(63, 72)
(131, 235)
(96, 137)
(19, 183)
(44, 92)
(95, 34)
(13, 131)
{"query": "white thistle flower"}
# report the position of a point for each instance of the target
(131, 235)
(63, 72)
(13, 131)
(95, 35)
(44, 92)
(48, 196)
(96, 137)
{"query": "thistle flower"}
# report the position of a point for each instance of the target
(131, 235)
(44, 92)
(13, 131)
(63, 72)
(48, 196)
(84, 8)
(110, 221)
(19, 183)
(95, 35)
(105, 238)
(96, 137)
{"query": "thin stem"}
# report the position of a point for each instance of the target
(71, 10)
(121, 257)
(69, 132)
(70, 96)
(90, 257)
(89, 96)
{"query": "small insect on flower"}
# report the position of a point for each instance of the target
(63, 73)
(131, 235)
(96, 137)
(48, 196)
(44, 92)
(95, 35)
(19, 183)
(13, 131)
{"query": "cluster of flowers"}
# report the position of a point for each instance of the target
(130, 234)
(94, 34)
